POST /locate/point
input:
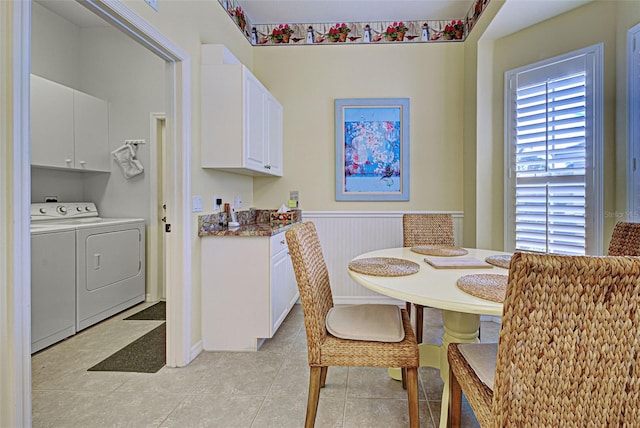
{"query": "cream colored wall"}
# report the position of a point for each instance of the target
(582, 27)
(627, 16)
(189, 24)
(477, 130)
(307, 80)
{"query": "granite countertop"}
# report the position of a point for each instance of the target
(256, 229)
(252, 223)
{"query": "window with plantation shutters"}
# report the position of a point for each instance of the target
(553, 155)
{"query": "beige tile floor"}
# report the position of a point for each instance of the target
(267, 388)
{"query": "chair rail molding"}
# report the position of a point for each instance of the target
(346, 234)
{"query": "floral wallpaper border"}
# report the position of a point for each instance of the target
(354, 32)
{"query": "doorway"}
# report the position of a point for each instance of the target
(156, 249)
(15, 394)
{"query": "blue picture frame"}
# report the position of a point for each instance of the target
(372, 149)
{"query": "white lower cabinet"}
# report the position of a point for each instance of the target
(248, 288)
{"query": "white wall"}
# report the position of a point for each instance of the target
(55, 47)
(133, 80)
(55, 55)
(105, 63)
(66, 186)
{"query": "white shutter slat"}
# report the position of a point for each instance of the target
(550, 148)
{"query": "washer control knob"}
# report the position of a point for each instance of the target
(62, 209)
(87, 208)
(42, 210)
(79, 209)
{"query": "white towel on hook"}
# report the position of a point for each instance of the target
(125, 156)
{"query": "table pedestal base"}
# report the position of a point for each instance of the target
(458, 328)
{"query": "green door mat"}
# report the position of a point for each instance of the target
(145, 355)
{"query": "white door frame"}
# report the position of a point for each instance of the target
(178, 169)
(15, 177)
(15, 198)
(633, 124)
(155, 249)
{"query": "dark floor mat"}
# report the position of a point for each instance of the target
(157, 312)
(145, 355)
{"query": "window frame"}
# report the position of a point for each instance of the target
(594, 57)
(633, 125)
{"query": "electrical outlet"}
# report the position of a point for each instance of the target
(237, 202)
(217, 203)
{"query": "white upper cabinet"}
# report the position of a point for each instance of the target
(241, 122)
(91, 131)
(69, 129)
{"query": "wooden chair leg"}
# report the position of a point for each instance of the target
(455, 401)
(408, 307)
(419, 322)
(323, 376)
(412, 395)
(315, 375)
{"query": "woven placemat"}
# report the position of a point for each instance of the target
(384, 266)
(439, 250)
(500, 260)
(487, 286)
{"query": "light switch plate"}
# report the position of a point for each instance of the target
(197, 204)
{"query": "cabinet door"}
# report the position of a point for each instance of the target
(281, 269)
(91, 125)
(254, 155)
(274, 135)
(51, 124)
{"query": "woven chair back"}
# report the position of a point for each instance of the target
(625, 239)
(569, 346)
(427, 229)
(313, 283)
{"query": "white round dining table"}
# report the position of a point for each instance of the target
(437, 288)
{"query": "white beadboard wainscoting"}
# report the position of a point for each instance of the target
(346, 234)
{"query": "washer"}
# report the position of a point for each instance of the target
(107, 269)
(53, 284)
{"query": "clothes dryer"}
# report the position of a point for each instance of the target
(110, 268)
(109, 258)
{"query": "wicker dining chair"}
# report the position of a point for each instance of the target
(568, 348)
(625, 239)
(426, 229)
(326, 350)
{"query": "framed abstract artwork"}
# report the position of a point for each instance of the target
(372, 149)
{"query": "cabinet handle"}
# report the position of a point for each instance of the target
(67, 160)
(282, 242)
(82, 162)
(267, 167)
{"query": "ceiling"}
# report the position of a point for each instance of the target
(315, 11)
(514, 15)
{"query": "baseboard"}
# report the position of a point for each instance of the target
(491, 318)
(361, 300)
(195, 351)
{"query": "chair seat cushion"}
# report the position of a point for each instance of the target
(481, 357)
(378, 323)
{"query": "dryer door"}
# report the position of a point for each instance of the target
(112, 257)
